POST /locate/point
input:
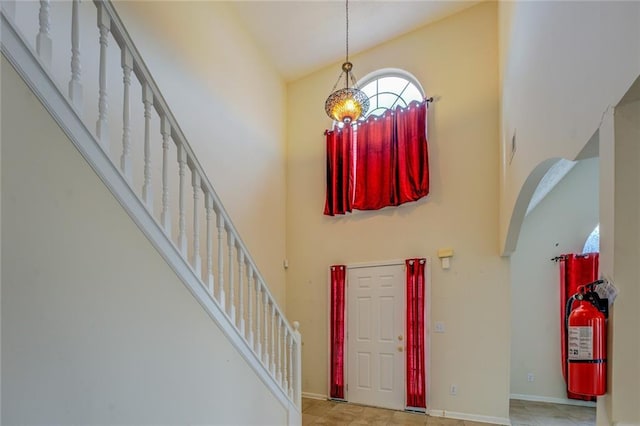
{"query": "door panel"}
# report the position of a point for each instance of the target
(364, 369)
(386, 366)
(387, 332)
(364, 316)
(375, 337)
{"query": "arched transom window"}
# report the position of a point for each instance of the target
(388, 89)
(592, 245)
(367, 163)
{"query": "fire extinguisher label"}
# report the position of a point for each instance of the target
(580, 343)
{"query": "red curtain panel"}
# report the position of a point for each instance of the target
(416, 375)
(339, 171)
(375, 163)
(575, 270)
(412, 168)
(338, 274)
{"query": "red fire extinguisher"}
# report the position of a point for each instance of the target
(587, 341)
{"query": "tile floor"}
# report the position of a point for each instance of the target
(527, 413)
(523, 413)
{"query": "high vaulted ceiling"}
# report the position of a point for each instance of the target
(303, 36)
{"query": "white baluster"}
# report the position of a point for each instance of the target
(165, 129)
(221, 296)
(182, 222)
(279, 363)
(102, 127)
(209, 204)
(265, 305)
(241, 289)
(197, 260)
(125, 159)
(297, 367)
(75, 85)
(232, 304)
(258, 345)
(9, 7)
(43, 39)
(250, 303)
(291, 377)
(285, 373)
(147, 192)
(273, 338)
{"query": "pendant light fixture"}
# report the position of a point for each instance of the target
(348, 104)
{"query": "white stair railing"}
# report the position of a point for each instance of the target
(260, 330)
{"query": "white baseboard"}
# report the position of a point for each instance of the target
(435, 413)
(471, 417)
(314, 395)
(538, 398)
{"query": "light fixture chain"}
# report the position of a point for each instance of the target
(348, 104)
(337, 81)
(353, 80)
(347, 32)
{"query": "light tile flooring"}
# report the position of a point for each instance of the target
(523, 413)
(527, 413)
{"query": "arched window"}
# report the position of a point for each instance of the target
(389, 88)
(592, 245)
(383, 161)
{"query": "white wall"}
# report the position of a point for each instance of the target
(96, 328)
(624, 237)
(230, 103)
(559, 224)
(227, 97)
(585, 55)
(562, 64)
(456, 60)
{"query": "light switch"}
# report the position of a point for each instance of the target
(446, 262)
(439, 327)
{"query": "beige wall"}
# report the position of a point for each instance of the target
(562, 64)
(456, 61)
(214, 79)
(230, 103)
(585, 56)
(96, 328)
(618, 136)
(559, 224)
(624, 349)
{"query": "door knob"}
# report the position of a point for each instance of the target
(400, 338)
(400, 348)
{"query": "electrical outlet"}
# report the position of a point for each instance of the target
(453, 390)
(439, 327)
(530, 377)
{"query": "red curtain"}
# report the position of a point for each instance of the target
(375, 161)
(416, 376)
(338, 273)
(575, 270)
(339, 167)
(385, 162)
(412, 158)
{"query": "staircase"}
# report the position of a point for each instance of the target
(176, 207)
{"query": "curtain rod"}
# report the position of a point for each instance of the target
(428, 100)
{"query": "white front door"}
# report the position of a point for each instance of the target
(375, 335)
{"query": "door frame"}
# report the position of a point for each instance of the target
(427, 323)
